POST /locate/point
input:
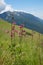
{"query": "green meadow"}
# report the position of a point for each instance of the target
(25, 50)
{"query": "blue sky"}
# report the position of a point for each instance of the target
(34, 7)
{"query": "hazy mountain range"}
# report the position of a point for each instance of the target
(30, 21)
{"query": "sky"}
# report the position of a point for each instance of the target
(34, 7)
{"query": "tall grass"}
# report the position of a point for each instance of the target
(26, 47)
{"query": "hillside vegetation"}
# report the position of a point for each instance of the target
(20, 50)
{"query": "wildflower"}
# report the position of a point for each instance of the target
(21, 26)
(12, 32)
(16, 31)
(14, 23)
(13, 27)
(11, 35)
(23, 32)
(20, 34)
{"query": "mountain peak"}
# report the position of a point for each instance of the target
(30, 21)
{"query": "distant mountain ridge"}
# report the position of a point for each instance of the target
(30, 21)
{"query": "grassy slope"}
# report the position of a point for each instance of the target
(32, 47)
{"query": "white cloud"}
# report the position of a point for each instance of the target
(8, 8)
(2, 2)
(5, 7)
(2, 5)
